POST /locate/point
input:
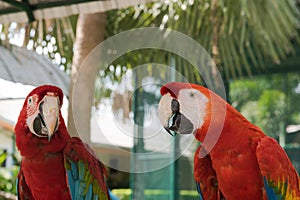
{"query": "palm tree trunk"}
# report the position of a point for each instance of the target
(89, 33)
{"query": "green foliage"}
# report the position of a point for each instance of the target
(3, 156)
(271, 111)
(267, 112)
(250, 111)
(268, 101)
(241, 36)
(7, 175)
(244, 91)
(51, 37)
(124, 194)
(8, 179)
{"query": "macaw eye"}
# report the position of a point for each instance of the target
(192, 94)
(32, 104)
(30, 100)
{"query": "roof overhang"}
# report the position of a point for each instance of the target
(30, 10)
(20, 65)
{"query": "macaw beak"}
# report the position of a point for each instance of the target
(49, 111)
(173, 121)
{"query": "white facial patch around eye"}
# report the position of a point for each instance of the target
(193, 106)
(29, 122)
(32, 105)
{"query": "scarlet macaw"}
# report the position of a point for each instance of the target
(243, 164)
(54, 165)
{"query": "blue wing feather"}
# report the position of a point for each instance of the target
(76, 181)
(71, 182)
(81, 170)
(17, 185)
(76, 189)
(199, 191)
(95, 197)
(84, 182)
(269, 190)
(74, 170)
(89, 193)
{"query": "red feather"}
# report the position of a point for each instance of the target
(234, 160)
(42, 174)
(205, 175)
(269, 151)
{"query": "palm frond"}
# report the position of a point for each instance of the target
(245, 35)
(249, 33)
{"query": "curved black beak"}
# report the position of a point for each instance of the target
(178, 123)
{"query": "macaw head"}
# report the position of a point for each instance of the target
(186, 108)
(182, 108)
(42, 108)
(40, 118)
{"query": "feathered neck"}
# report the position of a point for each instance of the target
(221, 124)
(31, 146)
